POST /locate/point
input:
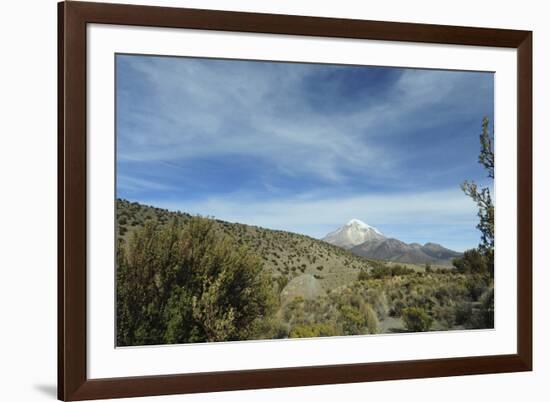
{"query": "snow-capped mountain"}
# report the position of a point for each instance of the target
(366, 241)
(353, 233)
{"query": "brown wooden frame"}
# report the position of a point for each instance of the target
(73, 383)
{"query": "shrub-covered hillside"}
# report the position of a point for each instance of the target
(285, 255)
(184, 279)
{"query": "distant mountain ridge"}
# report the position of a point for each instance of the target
(366, 241)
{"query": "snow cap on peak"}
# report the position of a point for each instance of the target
(352, 234)
(357, 222)
(362, 225)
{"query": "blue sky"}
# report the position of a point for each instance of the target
(304, 147)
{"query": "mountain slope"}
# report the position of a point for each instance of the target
(439, 252)
(286, 255)
(398, 251)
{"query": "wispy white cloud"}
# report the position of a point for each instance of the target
(133, 184)
(223, 111)
(315, 214)
(199, 110)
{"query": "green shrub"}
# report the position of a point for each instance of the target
(445, 315)
(476, 286)
(270, 328)
(463, 313)
(363, 276)
(358, 318)
(313, 330)
(353, 321)
(380, 271)
(484, 316)
(397, 270)
(472, 262)
(416, 319)
(188, 284)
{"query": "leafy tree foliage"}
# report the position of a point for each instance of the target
(179, 284)
(472, 262)
(482, 195)
(478, 263)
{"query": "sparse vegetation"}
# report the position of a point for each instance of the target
(189, 279)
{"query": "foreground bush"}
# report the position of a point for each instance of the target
(189, 284)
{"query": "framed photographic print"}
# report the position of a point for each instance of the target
(253, 200)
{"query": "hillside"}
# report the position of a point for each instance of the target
(313, 288)
(286, 255)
